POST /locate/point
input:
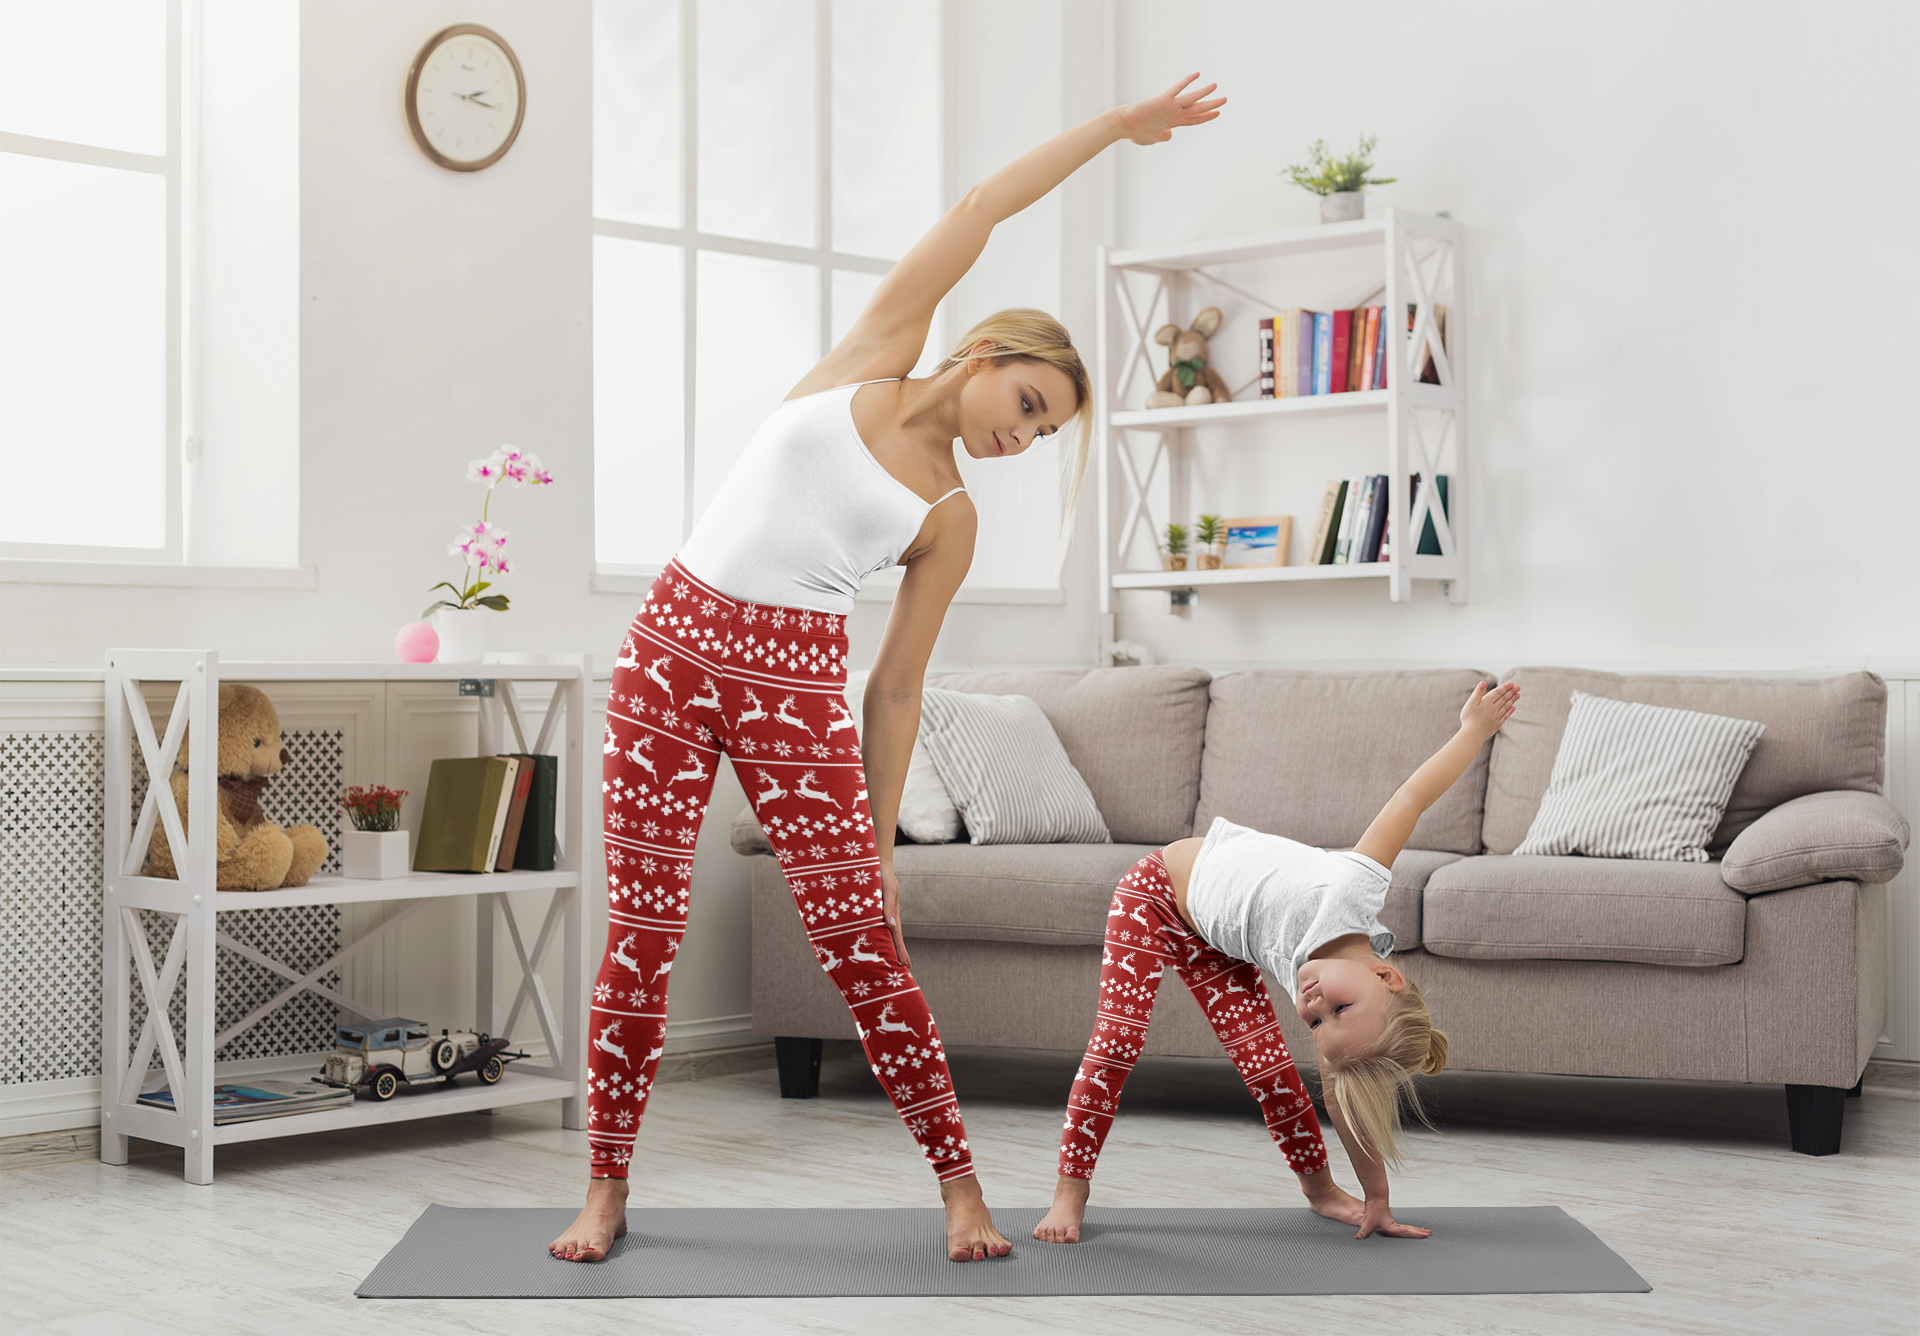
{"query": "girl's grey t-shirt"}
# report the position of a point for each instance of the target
(1272, 900)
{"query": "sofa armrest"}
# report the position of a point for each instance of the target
(1843, 835)
(747, 837)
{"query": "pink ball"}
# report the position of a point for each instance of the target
(417, 642)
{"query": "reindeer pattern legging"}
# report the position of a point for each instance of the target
(700, 674)
(1145, 934)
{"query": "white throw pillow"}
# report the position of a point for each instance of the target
(927, 814)
(1639, 781)
(1006, 771)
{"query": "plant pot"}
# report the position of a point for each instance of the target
(1343, 206)
(462, 632)
(1209, 561)
(1176, 563)
(373, 855)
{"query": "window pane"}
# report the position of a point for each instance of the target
(83, 354)
(756, 120)
(93, 72)
(639, 441)
(636, 111)
(758, 334)
(886, 124)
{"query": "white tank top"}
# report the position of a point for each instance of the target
(807, 513)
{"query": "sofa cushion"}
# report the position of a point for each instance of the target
(1060, 893)
(1841, 836)
(1315, 756)
(1054, 894)
(1134, 734)
(1639, 781)
(1006, 771)
(1503, 907)
(1822, 733)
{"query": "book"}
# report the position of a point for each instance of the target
(1356, 341)
(1266, 358)
(1324, 521)
(1286, 363)
(1429, 545)
(459, 823)
(502, 808)
(1342, 353)
(1379, 351)
(1371, 342)
(1303, 353)
(250, 1101)
(1322, 352)
(536, 848)
(1356, 507)
(1375, 529)
(516, 816)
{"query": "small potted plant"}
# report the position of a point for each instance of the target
(461, 621)
(376, 848)
(1211, 534)
(1176, 547)
(1339, 182)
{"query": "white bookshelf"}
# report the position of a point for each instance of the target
(195, 906)
(1420, 259)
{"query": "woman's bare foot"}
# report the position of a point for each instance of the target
(602, 1220)
(1061, 1224)
(971, 1236)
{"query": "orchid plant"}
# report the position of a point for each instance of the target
(482, 546)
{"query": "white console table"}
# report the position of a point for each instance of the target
(195, 907)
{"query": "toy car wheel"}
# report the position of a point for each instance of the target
(490, 1071)
(445, 1054)
(384, 1085)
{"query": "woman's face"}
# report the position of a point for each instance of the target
(1005, 403)
(1346, 1001)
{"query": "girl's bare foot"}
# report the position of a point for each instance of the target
(602, 1220)
(971, 1236)
(1061, 1224)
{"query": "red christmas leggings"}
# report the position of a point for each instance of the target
(700, 674)
(1145, 934)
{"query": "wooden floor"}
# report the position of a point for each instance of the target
(1692, 1184)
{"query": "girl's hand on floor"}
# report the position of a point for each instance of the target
(890, 906)
(1379, 1220)
(1152, 120)
(1485, 711)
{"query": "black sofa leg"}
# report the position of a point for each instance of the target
(1814, 1114)
(1855, 1092)
(799, 1062)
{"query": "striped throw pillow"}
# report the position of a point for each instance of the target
(1006, 771)
(1639, 781)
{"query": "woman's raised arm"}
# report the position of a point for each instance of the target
(889, 335)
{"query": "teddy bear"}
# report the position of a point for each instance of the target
(1189, 380)
(253, 854)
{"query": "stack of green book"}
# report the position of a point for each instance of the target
(489, 814)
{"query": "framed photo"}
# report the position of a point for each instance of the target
(1260, 541)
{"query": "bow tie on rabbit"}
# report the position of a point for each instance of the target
(1189, 379)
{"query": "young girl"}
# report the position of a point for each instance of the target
(1209, 908)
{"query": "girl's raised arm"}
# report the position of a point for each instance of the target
(1480, 718)
(888, 337)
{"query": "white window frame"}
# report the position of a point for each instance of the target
(30, 561)
(616, 577)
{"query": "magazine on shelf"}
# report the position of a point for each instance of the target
(246, 1101)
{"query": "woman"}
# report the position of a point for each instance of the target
(741, 648)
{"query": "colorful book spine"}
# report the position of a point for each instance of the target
(1368, 344)
(1350, 522)
(1322, 352)
(1326, 529)
(1380, 351)
(1376, 526)
(1303, 352)
(1285, 363)
(1266, 358)
(1339, 362)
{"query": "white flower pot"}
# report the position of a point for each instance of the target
(373, 855)
(1343, 206)
(462, 632)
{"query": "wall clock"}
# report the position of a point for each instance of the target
(465, 97)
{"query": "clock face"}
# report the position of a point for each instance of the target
(464, 98)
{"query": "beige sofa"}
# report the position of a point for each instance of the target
(1595, 967)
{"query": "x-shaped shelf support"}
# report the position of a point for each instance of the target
(159, 756)
(1426, 330)
(1137, 486)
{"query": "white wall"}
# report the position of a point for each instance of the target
(1690, 285)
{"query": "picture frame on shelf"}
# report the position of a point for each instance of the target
(1260, 540)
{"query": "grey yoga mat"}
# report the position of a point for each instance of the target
(455, 1253)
